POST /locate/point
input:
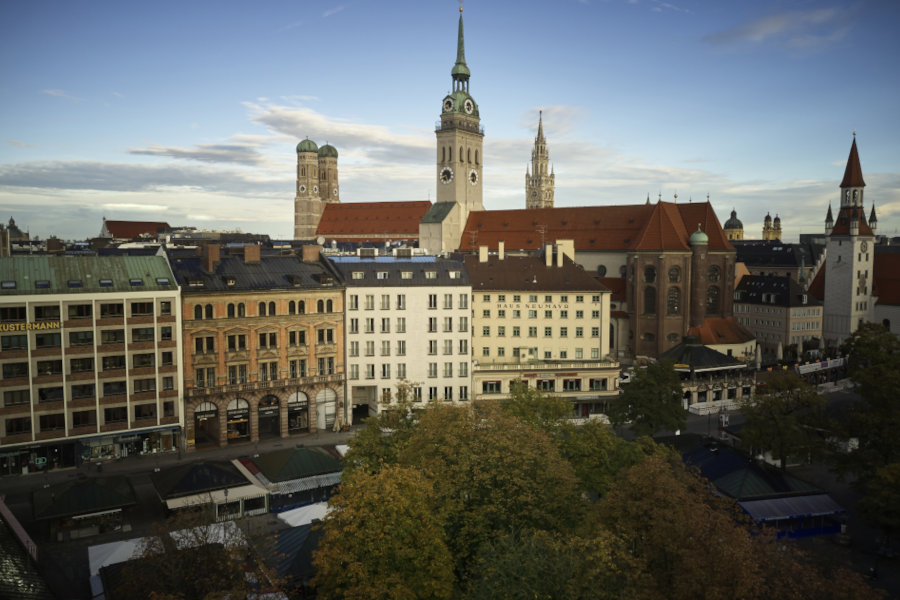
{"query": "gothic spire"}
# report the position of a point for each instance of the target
(460, 71)
(540, 135)
(853, 173)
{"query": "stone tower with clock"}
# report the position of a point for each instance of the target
(539, 183)
(459, 161)
(849, 257)
(317, 185)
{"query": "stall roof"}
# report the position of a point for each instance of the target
(197, 478)
(294, 463)
(773, 509)
(83, 497)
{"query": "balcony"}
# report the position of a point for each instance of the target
(261, 386)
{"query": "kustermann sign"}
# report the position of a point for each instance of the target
(38, 325)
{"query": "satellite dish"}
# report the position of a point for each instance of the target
(320, 240)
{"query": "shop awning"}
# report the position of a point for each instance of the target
(243, 492)
(307, 483)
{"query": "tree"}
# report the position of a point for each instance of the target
(531, 406)
(191, 557)
(874, 420)
(383, 539)
(880, 504)
(492, 474)
(787, 419)
(651, 402)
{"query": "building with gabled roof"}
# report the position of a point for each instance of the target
(542, 321)
(711, 380)
(378, 222)
(132, 230)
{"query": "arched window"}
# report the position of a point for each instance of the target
(320, 306)
(242, 310)
(855, 194)
(460, 154)
(209, 311)
(301, 307)
(673, 301)
(292, 307)
(476, 157)
(649, 274)
(262, 309)
(674, 275)
(271, 309)
(198, 312)
(469, 156)
(649, 300)
(231, 311)
(302, 171)
(713, 274)
(601, 270)
(712, 300)
(329, 306)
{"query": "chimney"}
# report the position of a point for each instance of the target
(252, 253)
(212, 254)
(482, 254)
(548, 255)
(310, 253)
(559, 256)
(500, 249)
(567, 247)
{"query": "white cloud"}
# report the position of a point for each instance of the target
(61, 94)
(808, 30)
(333, 11)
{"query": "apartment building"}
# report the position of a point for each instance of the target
(90, 353)
(263, 350)
(545, 321)
(407, 329)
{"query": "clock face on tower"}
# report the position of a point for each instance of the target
(446, 175)
(448, 104)
(863, 247)
(473, 177)
(468, 106)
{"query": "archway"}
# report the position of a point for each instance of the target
(206, 425)
(238, 420)
(326, 403)
(269, 417)
(298, 412)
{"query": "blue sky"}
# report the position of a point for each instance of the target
(189, 112)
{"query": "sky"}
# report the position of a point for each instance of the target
(190, 112)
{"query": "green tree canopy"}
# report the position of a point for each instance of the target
(787, 419)
(652, 402)
(383, 540)
(546, 412)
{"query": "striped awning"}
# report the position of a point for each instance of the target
(307, 483)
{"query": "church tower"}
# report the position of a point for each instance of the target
(539, 183)
(307, 202)
(849, 257)
(459, 161)
(734, 228)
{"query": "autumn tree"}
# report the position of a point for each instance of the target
(880, 504)
(492, 475)
(531, 406)
(383, 539)
(787, 419)
(873, 420)
(652, 402)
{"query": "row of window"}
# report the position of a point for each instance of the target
(713, 274)
(400, 325)
(532, 332)
(266, 340)
(432, 394)
(534, 298)
(83, 391)
(533, 314)
(87, 418)
(266, 371)
(383, 275)
(548, 385)
(114, 310)
(517, 352)
(84, 338)
(263, 309)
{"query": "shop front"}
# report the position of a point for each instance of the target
(206, 425)
(238, 424)
(269, 417)
(298, 413)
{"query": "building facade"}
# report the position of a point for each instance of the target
(771, 229)
(263, 351)
(545, 322)
(90, 351)
(408, 330)
(540, 180)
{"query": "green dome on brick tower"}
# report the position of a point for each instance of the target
(328, 151)
(307, 145)
(698, 238)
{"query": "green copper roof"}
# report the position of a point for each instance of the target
(327, 151)
(460, 67)
(307, 145)
(438, 212)
(698, 238)
(84, 274)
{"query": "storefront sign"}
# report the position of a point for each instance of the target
(34, 325)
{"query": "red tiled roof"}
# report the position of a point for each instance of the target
(853, 173)
(361, 221)
(134, 229)
(886, 273)
(842, 223)
(721, 330)
(661, 226)
(817, 287)
(528, 273)
(616, 285)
